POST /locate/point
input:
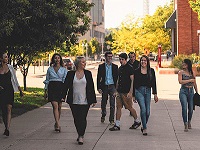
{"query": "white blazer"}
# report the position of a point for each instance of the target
(14, 81)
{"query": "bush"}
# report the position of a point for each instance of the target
(177, 61)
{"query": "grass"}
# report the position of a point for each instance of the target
(33, 98)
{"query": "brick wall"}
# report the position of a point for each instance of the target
(187, 24)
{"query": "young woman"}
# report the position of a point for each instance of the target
(8, 85)
(55, 78)
(79, 87)
(144, 80)
(186, 78)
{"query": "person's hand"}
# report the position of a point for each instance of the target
(21, 93)
(192, 80)
(1, 88)
(93, 104)
(100, 91)
(62, 100)
(134, 100)
(129, 95)
(155, 98)
(45, 96)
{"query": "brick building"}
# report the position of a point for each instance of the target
(184, 26)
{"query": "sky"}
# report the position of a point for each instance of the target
(117, 10)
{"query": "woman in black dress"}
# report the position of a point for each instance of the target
(8, 85)
(55, 77)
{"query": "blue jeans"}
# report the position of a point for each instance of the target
(186, 99)
(143, 96)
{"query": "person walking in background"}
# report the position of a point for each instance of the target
(133, 63)
(8, 85)
(125, 91)
(144, 80)
(79, 88)
(187, 79)
(106, 85)
(55, 78)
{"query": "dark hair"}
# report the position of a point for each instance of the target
(131, 53)
(107, 52)
(148, 66)
(189, 64)
(123, 55)
(1, 57)
(53, 61)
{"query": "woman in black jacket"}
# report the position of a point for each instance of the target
(144, 80)
(79, 88)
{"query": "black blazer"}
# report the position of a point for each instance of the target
(102, 74)
(68, 87)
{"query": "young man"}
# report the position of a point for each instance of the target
(133, 63)
(106, 85)
(125, 91)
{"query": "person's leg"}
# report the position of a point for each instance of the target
(83, 118)
(147, 103)
(141, 101)
(76, 113)
(9, 111)
(190, 107)
(59, 109)
(104, 103)
(112, 103)
(4, 115)
(56, 113)
(183, 100)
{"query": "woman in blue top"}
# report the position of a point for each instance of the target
(55, 78)
(186, 78)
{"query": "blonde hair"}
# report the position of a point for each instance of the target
(78, 60)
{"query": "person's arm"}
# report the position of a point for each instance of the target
(99, 78)
(131, 88)
(154, 86)
(46, 82)
(181, 81)
(195, 84)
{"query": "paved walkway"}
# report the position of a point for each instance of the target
(34, 130)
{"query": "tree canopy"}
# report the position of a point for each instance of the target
(195, 5)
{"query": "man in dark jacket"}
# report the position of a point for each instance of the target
(106, 85)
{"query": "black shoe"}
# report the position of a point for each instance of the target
(102, 119)
(115, 128)
(6, 132)
(80, 140)
(135, 125)
(142, 130)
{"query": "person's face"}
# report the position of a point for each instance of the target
(82, 64)
(132, 57)
(109, 58)
(143, 62)
(184, 65)
(57, 59)
(122, 61)
(5, 58)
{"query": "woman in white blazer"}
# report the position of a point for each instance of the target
(8, 85)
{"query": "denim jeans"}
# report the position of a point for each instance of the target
(108, 90)
(186, 99)
(143, 96)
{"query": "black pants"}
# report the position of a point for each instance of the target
(4, 111)
(79, 113)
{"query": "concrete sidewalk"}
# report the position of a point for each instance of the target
(34, 131)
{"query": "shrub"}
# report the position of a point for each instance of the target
(177, 61)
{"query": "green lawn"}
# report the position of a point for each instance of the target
(33, 98)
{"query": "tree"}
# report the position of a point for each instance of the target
(195, 5)
(31, 26)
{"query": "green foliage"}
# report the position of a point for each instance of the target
(177, 61)
(33, 98)
(195, 5)
(147, 33)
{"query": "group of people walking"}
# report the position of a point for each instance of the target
(133, 81)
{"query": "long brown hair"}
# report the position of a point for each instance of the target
(148, 66)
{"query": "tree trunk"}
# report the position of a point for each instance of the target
(24, 79)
